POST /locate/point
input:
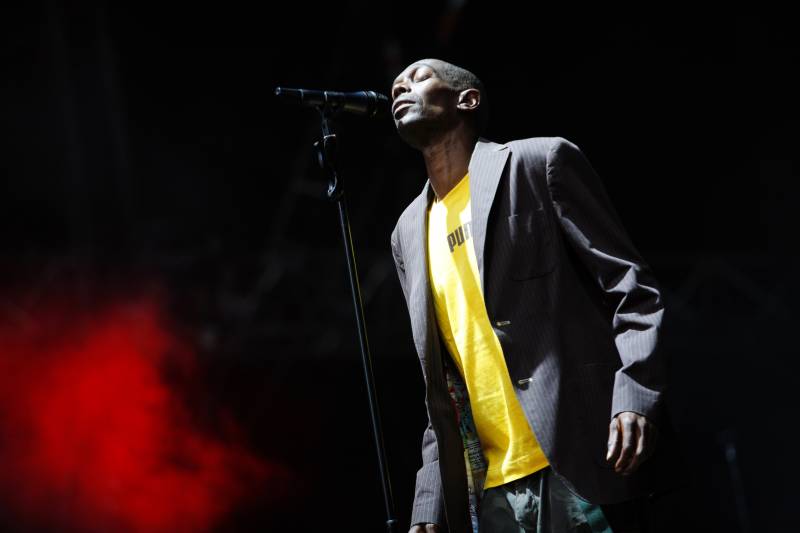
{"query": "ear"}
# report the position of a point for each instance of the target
(469, 99)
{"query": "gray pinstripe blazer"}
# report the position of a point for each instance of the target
(576, 309)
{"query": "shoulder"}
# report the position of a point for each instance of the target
(397, 227)
(539, 152)
(541, 147)
(405, 218)
(547, 152)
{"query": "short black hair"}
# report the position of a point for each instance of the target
(461, 79)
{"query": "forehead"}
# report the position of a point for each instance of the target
(417, 65)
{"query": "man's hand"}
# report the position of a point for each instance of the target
(424, 528)
(631, 440)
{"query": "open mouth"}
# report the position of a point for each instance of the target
(402, 108)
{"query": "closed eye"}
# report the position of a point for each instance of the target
(422, 74)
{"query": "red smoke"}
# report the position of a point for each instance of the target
(94, 437)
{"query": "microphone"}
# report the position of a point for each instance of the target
(367, 103)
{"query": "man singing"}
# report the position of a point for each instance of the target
(536, 322)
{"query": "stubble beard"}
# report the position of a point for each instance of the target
(421, 132)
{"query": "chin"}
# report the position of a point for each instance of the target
(414, 131)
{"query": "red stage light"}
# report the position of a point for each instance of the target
(94, 438)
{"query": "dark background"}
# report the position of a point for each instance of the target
(143, 145)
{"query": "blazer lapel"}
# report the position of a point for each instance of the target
(485, 169)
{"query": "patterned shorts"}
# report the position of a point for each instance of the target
(541, 503)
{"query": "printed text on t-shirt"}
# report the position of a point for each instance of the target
(459, 236)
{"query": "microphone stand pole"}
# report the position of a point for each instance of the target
(326, 156)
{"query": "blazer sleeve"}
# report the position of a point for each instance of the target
(428, 507)
(593, 229)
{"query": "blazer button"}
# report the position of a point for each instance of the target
(524, 381)
(501, 323)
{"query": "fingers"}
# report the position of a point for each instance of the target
(629, 436)
(641, 446)
(638, 442)
(613, 440)
(650, 431)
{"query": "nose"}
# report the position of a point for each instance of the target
(400, 88)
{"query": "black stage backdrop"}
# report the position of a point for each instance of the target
(156, 195)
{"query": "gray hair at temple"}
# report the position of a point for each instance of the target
(461, 79)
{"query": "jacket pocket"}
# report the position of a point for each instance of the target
(531, 253)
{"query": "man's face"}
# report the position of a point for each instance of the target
(423, 104)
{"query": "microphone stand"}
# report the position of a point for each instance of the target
(326, 156)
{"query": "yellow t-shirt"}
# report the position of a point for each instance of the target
(509, 445)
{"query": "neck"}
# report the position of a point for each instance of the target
(447, 160)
